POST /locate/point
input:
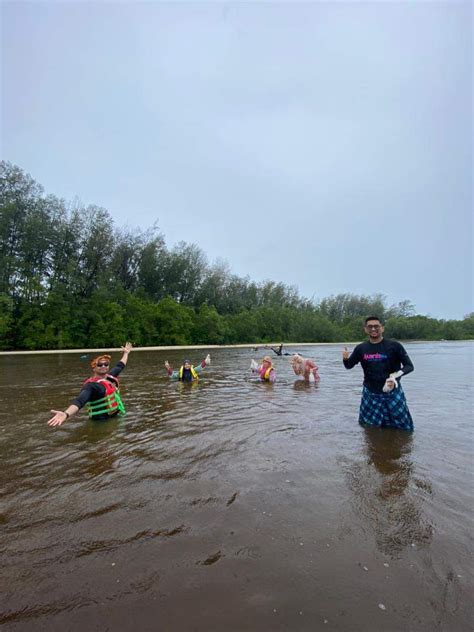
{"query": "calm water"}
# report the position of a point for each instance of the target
(235, 505)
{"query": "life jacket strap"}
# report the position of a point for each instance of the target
(109, 405)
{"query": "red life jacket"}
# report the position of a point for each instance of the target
(111, 384)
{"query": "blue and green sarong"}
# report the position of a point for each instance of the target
(385, 410)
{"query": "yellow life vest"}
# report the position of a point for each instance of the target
(193, 373)
(266, 375)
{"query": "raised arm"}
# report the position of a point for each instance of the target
(350, 359)
(126, 350)
(204, 364)
(169, 370)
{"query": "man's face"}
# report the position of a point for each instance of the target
(187, 365)
(374, 329)
(102, 367)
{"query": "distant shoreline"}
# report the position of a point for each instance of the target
(259, 347)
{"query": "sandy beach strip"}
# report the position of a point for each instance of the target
(256, 347)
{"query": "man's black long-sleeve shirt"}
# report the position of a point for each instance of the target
(378, 361)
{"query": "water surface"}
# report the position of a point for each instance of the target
(235, 505)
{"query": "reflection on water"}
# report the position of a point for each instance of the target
(232, 504)
(303, 385)
(387, 495)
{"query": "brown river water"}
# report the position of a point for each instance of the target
(236, 505)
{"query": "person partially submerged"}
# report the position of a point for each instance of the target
(278, 350)
(100, 392)
(265, 370)
(305, 367)
(187, 372)
(384, 362)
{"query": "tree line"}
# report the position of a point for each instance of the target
(69, 278)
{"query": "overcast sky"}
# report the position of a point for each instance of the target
(324, 145)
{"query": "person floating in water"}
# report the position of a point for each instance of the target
(265, 371)
(100, 392)
(187, 372)
(384, 362)
(305, 367)
(278, 350)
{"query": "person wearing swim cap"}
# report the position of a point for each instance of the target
(100, 392)
(383, 362)
(187, 372)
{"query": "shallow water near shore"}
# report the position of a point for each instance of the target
(230, 504)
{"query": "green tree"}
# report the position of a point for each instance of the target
(70, 278)
(184, 269)
(467, 326)
(242, 327)
(174, 322)
(6, 320)
(209, 327)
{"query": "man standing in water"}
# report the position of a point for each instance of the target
(384, 362)
(100, 392)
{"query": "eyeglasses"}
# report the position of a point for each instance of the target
(373, 326)
(102, 364)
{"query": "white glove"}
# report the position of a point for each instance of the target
(207, 360)
(253, 365)
(391, 382)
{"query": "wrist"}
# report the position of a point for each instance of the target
(67, 414)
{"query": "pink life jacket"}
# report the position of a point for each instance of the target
(265, 372)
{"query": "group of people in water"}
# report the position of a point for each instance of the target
(383, 361)
(301, 366)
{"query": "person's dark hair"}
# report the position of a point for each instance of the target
(373, 318)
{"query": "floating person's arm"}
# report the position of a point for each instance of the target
(278, 350)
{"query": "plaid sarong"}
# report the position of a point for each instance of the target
(385, 409)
